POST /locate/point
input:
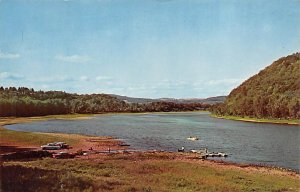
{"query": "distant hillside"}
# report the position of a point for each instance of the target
(134, 99)
(210, 100)
(272, 93)
(28, 102)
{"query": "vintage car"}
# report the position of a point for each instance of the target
(50, 147)
(55, 146)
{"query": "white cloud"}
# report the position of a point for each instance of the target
(103, 78)
(137, 88)
(84, 78)
(10, 76)
(4, 55)
(73, 58)
(53, 79)
(225, 82)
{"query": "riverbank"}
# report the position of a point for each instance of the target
(256, 120)
(131, 171)
(11, 141)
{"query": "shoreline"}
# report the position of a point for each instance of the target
(33, 140)
(79, 139)
(126, 170)
(15, 120)
(255, 120)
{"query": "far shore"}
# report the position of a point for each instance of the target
(257, 120)
(15, 120)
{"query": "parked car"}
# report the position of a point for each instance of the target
(63, 155)
(50, 147)
(63, 145)
(55, 146)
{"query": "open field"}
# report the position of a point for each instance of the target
(138, 171)
(142, 172)
(256, 120)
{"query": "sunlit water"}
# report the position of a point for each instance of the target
(256, 143)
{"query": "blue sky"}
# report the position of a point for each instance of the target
(149, 48)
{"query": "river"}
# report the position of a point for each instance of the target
(245, 142)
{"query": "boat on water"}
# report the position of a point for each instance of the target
(181, 150)
(200, 151)
(192, 138)
(123, 145)
(205, 153)
(219, 154)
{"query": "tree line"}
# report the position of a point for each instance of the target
(24, 102)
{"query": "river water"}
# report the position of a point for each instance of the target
(255, 143)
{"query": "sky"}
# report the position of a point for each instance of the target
(143, 48)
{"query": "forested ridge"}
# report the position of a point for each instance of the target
(272, 93)
(24, 102)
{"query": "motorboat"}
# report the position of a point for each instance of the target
(192, 138)
(219, 154)
(222, 154)
(200, 151)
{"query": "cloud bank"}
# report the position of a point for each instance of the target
(10, 76)
(73, 58)
(4, 55)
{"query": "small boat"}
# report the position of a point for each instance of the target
(200, 151)
(124, 145)
(221, 154)
(181, 150)
(210, 155)
(206, 153)
(195, 151)
(194, 138)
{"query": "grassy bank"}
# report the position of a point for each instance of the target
(34, 139)
(15, 120)
(37, 138)
(257, 120)
(140, 172)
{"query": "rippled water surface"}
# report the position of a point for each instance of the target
(256, 143)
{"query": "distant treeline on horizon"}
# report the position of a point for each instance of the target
(25, 102)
